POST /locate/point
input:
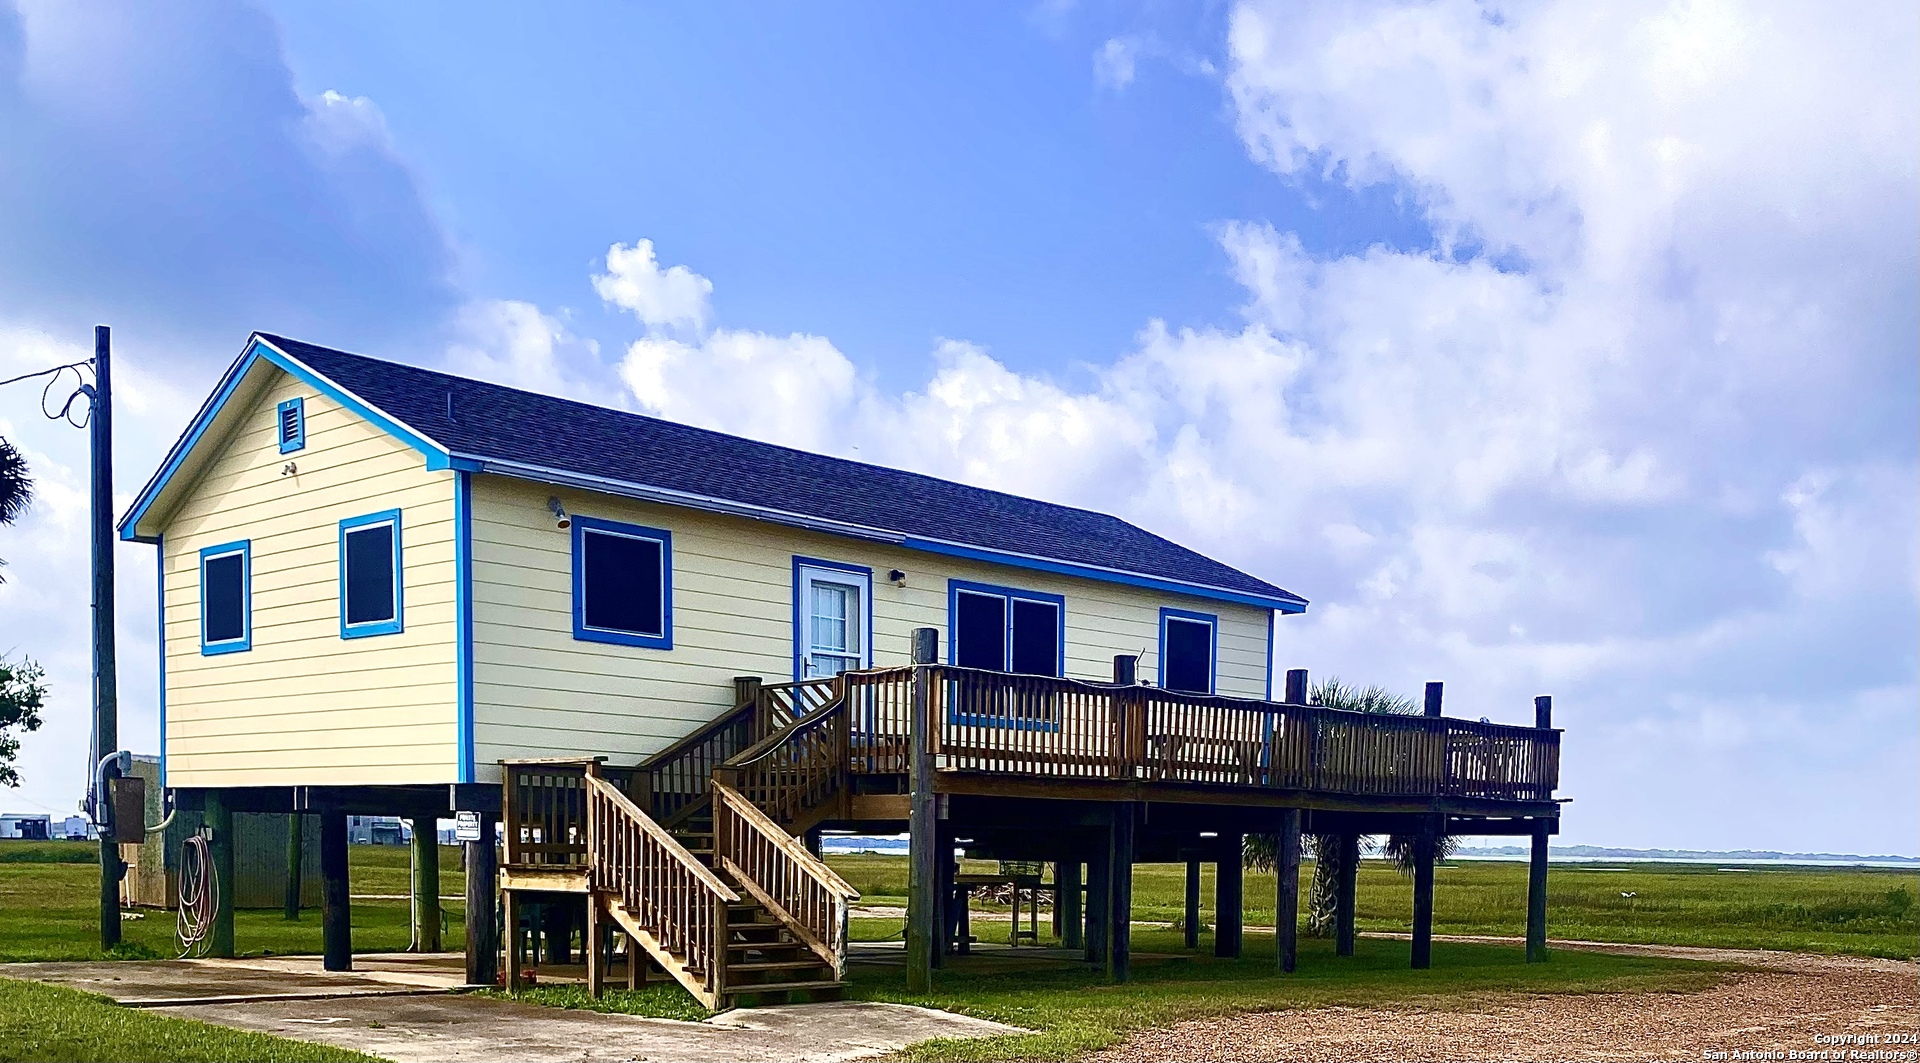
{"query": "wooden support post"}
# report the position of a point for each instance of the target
(594, 944)
(556, 925)
(1227, 912)
(1120, 892)
(1434, 694)
(942, 887)
(636, 964)
(1099, 893)
(1423, 852)
(962, 920)
(516, 940)
(296, 851)
(219, 819)
(1056, 900)
(336, 909)
(483, 887)
(1348, 848)
(426, 884)
(1286, 906)
(1192, 914)
(1537, 896)
(1066, 875)
(1296, 686)
(923, 873)
(814, 843)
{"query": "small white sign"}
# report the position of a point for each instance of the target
(466, 826)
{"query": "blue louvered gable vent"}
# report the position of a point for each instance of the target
(292, 422)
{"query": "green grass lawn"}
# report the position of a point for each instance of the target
(52, 1024)
(49, 907)
(1854, 911)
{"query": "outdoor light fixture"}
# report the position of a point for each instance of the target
(1209, 834)
(897, 577)
(560, 518)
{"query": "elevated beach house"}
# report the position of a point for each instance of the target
(662, 660)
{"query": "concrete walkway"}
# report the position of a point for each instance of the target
(403, 1007)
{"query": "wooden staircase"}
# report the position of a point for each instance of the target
(717, 892)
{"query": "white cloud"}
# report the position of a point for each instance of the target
(675, 297)
(514, 343)
(1114, 61)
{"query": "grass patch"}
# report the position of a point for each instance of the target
(1859, 911)
(659, 1000)
(1073, 1012)
(49, 908)
(53, 1024)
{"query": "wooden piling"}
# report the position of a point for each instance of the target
(1347, 846)
(1120, 892)
(483, 888)
(1423, 853)
(1286, 908)
(296, 851)
(426, 884)
(923, 872)
(1066, 875)
(1192, 913)
(336, 908)
(219, 820)
(1227, 911)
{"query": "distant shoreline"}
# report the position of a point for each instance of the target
(1571, 854)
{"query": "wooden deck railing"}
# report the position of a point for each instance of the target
(675, 779)
(544, 804)
(791, 883)
(795, 770)
(662, 886)
(997, 722)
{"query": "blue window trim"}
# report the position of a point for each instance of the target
(463, 617)
(374, 627)
(1213, 643)
(800, 562)
(244, 548)
(955, 587)
(663, 641)
(299, 439)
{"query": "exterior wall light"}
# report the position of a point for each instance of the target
(560, 518)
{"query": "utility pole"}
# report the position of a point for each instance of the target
(106, 701)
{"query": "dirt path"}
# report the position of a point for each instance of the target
(1781, 1009)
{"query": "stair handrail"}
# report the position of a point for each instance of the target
(664, 887)
(814, 771)
(792, 884)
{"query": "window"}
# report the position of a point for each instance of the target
(226, 598)
(1004, 630)
(290, 424)
(370, 583)
(622, 584)
(1187, 642)
(832, 615)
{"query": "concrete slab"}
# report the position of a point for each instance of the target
(151, 983)
(467, 1029)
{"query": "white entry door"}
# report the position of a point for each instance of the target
(833, 608)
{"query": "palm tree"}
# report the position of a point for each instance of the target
(1324, 849)
(16, 488)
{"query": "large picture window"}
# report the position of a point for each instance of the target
(226, 592)
(622, 583)
(370, 579)
(1188, 643)
(1003, 629)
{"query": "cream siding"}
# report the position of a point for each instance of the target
(303, 705)
(540, 692)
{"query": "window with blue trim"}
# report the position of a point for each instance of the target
(1003, 629)
(290, 424)
(226, 593)
(1188, 644)
(370, 577)
(622, 583)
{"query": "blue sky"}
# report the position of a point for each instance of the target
(1546, 348)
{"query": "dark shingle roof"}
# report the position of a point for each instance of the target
(496, 423)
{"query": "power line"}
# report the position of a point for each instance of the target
(55, 369)
(54, 375)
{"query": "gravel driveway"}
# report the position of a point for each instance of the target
(1780, 1009)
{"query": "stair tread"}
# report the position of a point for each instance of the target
(775, 965)
(782, 987)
